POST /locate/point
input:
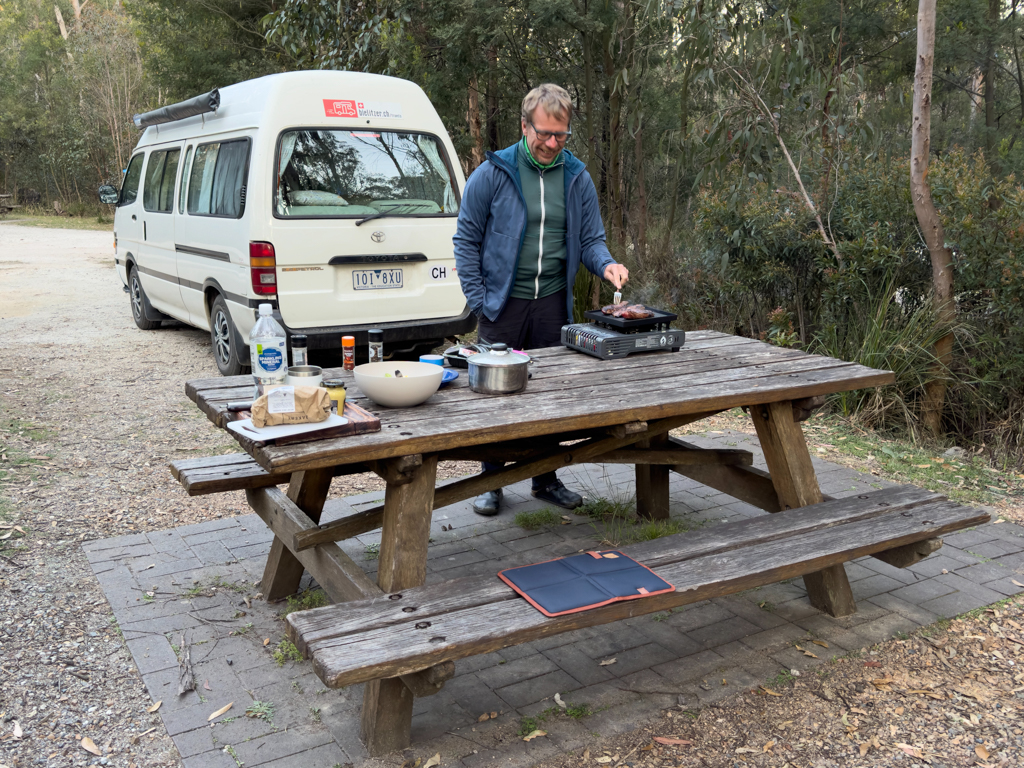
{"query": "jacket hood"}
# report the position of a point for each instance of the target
(507, 158)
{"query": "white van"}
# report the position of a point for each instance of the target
(331, 195)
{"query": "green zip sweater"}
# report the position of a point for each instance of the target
(541, 270)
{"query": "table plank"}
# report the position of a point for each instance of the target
(520, 416)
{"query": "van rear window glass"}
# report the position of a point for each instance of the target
(335, 173)
(216, 184)
(161, 172)
(130, 186)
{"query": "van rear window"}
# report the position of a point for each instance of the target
(216, 185)
(336, 173)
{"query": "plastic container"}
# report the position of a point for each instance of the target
(300, 355)
(348, 352)
(268, 352)
(375, 337)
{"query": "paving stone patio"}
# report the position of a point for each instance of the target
(192, 582)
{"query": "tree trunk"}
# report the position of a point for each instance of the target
(614, 144)
(928, 218)
(641, 194)
(473, 116)
(989, 79)
(492, 99)
(588, 88)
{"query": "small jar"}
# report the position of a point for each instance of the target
(336, 391)
(376, 342)
(299, 354)
(348, 352)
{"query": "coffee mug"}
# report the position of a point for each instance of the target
(432, 359)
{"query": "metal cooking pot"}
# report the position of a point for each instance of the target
(498, 372)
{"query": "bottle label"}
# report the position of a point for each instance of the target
(270, 359)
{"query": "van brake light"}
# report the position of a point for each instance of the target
(263, 268)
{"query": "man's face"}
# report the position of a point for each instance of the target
(545, 152)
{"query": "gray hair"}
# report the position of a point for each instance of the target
(552, 98)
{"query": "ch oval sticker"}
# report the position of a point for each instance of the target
(377, 237)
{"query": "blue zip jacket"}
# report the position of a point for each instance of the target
(492, 225)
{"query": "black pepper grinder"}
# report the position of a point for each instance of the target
(375, 337)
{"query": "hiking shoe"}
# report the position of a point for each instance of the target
(487, 504)
(559, 495)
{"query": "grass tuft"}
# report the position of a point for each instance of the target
(531, 521)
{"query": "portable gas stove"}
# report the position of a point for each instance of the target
(608, 337)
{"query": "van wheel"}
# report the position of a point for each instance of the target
(223, 337)
(138, 298)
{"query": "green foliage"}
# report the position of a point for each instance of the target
(313, 598)
(261, 710)
(531, 521)
(286, 651)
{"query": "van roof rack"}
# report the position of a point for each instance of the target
(208, 102)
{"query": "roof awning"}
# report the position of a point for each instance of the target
(208, 102)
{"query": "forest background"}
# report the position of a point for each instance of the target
(718, 133)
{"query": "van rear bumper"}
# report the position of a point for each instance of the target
(405, 333)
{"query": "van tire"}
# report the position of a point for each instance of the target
(225, 340)
(139, 302)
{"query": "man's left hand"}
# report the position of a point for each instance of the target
(617, 275)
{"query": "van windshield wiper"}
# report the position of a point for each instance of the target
(389, 212)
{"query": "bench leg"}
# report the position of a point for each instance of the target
(283, 572)
(652, 483)
(792, 473)
(387, 704)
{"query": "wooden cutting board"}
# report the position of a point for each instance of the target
(360, 421)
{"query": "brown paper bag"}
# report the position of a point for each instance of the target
(291, 405)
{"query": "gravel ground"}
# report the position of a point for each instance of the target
(91, 412)
(93, 409)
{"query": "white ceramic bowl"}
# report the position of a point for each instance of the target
(416, 384)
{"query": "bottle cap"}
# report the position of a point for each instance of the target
(266, 310)
(375, 334)
(298, 340)
(348, 341)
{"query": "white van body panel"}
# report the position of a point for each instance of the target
(202, 255)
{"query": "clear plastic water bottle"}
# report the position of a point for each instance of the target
(267, 350)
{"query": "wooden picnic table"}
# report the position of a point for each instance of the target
(576, 409)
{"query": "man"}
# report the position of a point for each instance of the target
(529, 218)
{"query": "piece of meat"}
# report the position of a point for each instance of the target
(635, 312)
(611, 309)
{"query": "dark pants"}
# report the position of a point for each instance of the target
(527, 324)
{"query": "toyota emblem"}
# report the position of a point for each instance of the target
(377, 237)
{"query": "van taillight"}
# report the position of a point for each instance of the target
(263, 268)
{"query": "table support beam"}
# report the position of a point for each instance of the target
(652, 483)
(387, 704)
(283, 572)
(792, 474)
(553, 458)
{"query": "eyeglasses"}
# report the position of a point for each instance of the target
(560, 136)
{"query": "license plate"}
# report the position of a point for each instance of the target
(375, 279)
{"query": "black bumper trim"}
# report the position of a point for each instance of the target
(406, 332)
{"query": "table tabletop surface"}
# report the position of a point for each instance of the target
(568, 391)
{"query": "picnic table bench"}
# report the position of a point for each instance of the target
(576, 409)
(5, 204)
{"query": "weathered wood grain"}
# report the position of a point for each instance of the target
(903, 557)
(516, 419)
(416, 643)
(652, 481)
(235, 472)
(332, 621)
(307, 492)
(553, 458)
(789, 464)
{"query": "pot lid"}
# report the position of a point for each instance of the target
(499, 357)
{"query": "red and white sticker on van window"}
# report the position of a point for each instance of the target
(372, 109)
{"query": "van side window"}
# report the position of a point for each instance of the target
(130, 185)
(158, 190)
(184, 180)
(216, 184)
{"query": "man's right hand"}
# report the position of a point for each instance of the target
(617, 275)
